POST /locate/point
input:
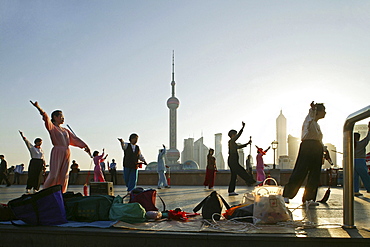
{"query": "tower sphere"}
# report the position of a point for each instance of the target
(173, 155)
(173, 103)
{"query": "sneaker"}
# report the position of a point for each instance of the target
(312, 203)
(233, 194)
(35, 191)
(167, 187)
(358, 194)
(28, 191)
(159, 188)
(8, 185)
(286, 200)
(211, 188)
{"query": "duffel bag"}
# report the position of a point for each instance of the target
(89, 208)
(42, 208)
(127, 212)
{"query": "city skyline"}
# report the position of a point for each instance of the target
(107, 66)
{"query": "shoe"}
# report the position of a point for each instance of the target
(167, 187)
(28, 191)
(210, 188)
(358, 194)
(159, 188)
(35, 191)
(8, 185)
(312, 203)
(233, 194)
(286, 200)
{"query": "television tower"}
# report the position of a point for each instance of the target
(173, 103)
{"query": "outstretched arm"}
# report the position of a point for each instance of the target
(236, 137)
(36, 104)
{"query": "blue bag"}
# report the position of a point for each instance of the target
(45, 207)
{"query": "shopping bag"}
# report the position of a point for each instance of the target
(269, 208)
(269, 189)
(45, 207)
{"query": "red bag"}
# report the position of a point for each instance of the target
(146, 198)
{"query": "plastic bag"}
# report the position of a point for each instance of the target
(269, 208)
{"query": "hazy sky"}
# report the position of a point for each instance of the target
(107, 65)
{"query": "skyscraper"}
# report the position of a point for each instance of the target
(281, 135)
(220, 163)
(173, 103)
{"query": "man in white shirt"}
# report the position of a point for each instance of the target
(310, 158)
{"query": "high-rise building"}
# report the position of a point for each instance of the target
(188, 152)
(281, 135)
(333, 155)
(241, 156)
(293, 147)
(220, 162)
(173, 103)
(200, 153)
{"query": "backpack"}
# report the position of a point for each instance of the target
(89, 208)
(146, 198)
(213, 203)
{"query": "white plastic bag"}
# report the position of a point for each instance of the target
(269, 205)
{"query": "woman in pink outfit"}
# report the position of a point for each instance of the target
(98, 173)
(260, 167)
(60, 155)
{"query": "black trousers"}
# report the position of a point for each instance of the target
(309, 162)
(16, 178)
(237, 170)
(113, 173)
(34, 173)
(3, 176)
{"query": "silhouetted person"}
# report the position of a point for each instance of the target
(310, 158)
(3, 170)
(18, 170)
(360, 163)
(211, 170)
(73, 174)
(113, 171)
(233, 161)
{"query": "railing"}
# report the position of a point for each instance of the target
(348, 159)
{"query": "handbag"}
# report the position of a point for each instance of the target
(146, 198)
(127, 212)
(269, 205)
(45, 207)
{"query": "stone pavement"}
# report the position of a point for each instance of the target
(326, 218)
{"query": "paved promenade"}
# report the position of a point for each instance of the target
(326, 219)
